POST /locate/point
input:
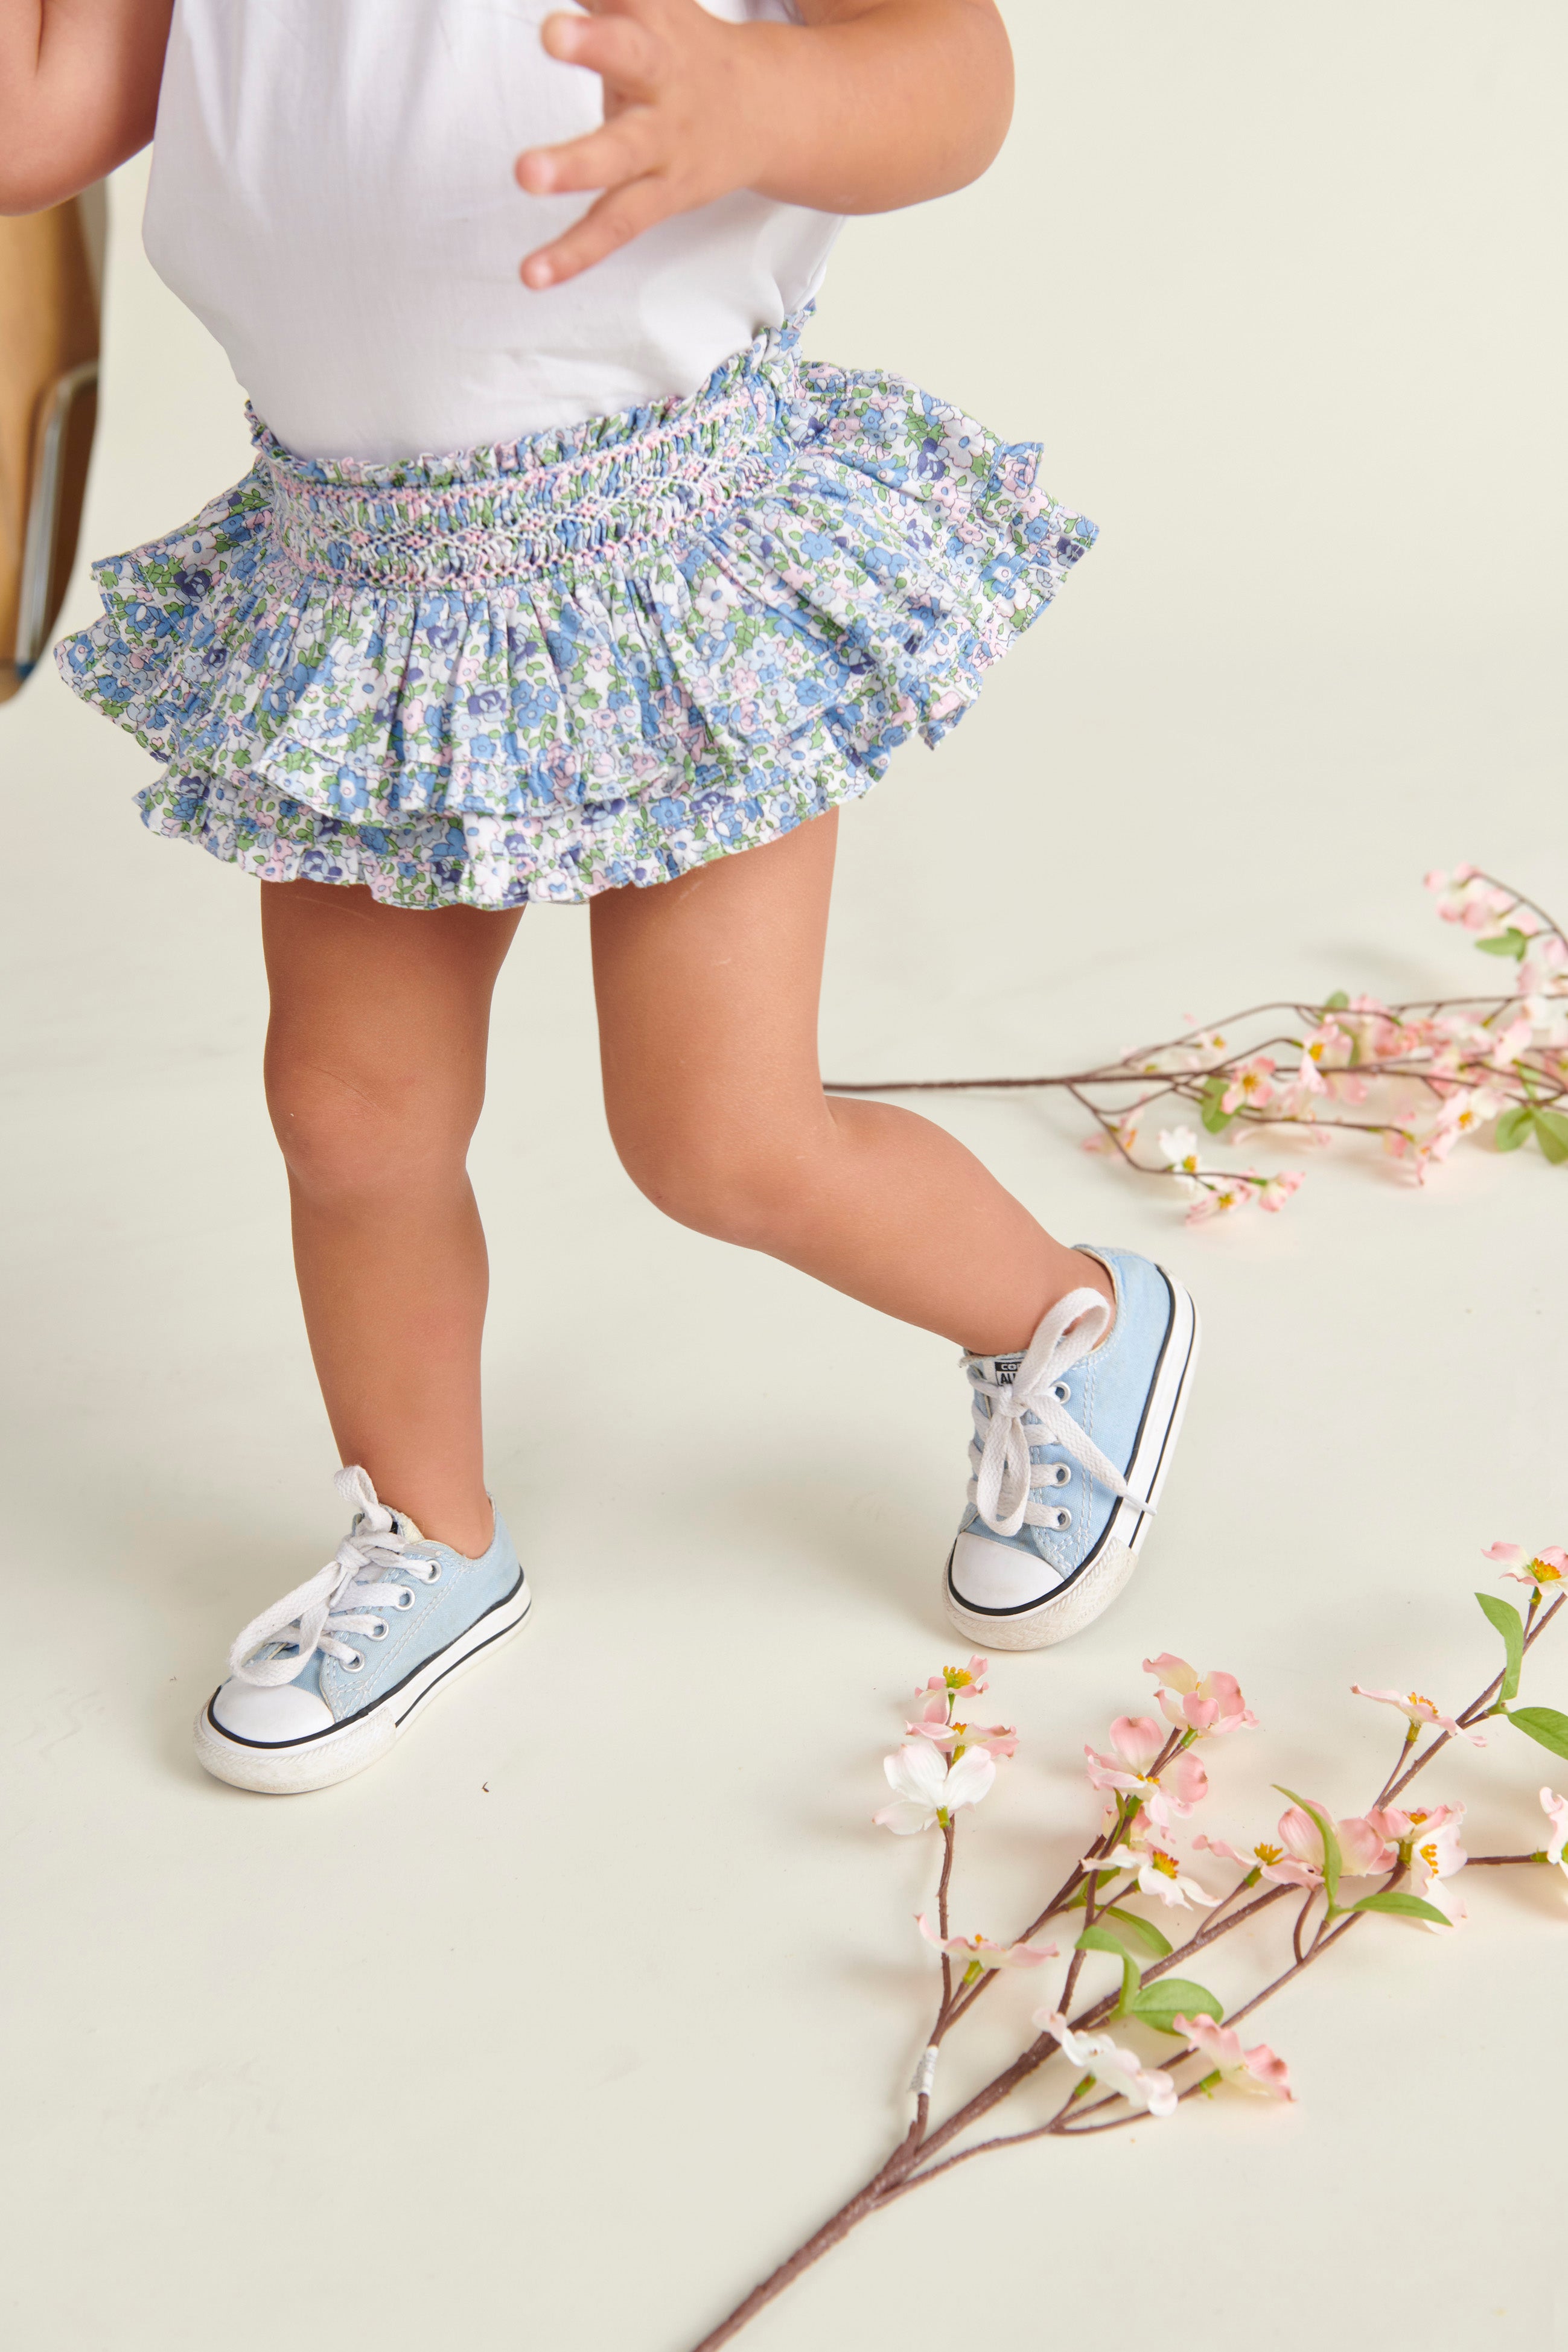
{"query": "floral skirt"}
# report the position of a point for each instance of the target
(600, 655)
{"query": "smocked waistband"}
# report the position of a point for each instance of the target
(488, 518)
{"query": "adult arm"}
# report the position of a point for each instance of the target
(78, 92)
(864, 106)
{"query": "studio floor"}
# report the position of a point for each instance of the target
(563, 2026)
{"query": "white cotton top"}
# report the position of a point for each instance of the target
(333, 195)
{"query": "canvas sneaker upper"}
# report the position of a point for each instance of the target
(1056, 1433)
(347, 1639)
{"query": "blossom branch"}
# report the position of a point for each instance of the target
(1154, 1778)
(1441, 1068)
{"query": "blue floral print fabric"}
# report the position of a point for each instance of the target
(598, 656)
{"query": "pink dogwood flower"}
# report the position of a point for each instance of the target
(979, 1952)
(928, 1791)
(1120, 2071)
(1159, 1874)
(1267, 1859)
(1417, 1710)
(1555, 1807)
(1424, 1146)
(1448, 884)
(1211, 1704)
(1509, 1043)
(1465, 897)
(1251, 1083)
(1328, 1048)
(1181, 1152)
(1275, 1190)
(955, 1739)
(1116, 1136)
(1137, 1741)
(1219, 1197)
(952, 1683)
(1298, 1859)
(1545, 1573)
(1469, 1108)
(1431, 1841)
(1257, 2070)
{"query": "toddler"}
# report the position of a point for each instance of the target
(561, 575)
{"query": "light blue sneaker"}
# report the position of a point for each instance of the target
(323, 1684)
(1092, 1428)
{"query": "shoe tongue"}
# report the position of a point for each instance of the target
(1005, 1369)
(401, 1525)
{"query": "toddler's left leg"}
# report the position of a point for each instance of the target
(708, 991)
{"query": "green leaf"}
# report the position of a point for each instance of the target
(1333, 1862)
(1403, 1906)
(1337, 1001)
(1144, 1932)
(1512, 942)
(1543, 1724)
(1100, 1939)
(1505, 1617)
(1209, 1111)
(1552, 1134)
(1158, 2004)
(1513, 1128)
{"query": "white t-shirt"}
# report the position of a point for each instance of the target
(332, 196)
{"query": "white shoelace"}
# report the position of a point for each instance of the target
(345, 1597)
(1006, 1480)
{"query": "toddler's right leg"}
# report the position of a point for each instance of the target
(375, 1079)
(375, 1059)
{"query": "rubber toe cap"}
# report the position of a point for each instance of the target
(270, 1717)
(988, 1575)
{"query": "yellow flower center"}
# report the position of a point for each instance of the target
(1428, 1853)
(1165, 1862)
(1268, 1852)
(1543, 1573)
(1416, 1700)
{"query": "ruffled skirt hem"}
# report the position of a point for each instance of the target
(601, 658)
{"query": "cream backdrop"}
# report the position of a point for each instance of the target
(564, 2025)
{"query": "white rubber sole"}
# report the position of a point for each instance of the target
(1059, 1614)
(296, 1766)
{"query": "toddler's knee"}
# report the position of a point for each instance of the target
(734, 1190)
(344, 1138)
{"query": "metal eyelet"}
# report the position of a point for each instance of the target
(352, 1665)
(1060, 1474)
(405, 1597)
(1061, 1391)
(434, 1575)
(378, 1631)
(1064, 1520)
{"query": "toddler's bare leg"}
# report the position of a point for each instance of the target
(708, 996)
(375, 1076)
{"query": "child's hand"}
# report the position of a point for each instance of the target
(677, 131)
(861, 106)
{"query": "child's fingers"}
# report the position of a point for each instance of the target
(623, 149)
(613, 222)
(619, 48)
